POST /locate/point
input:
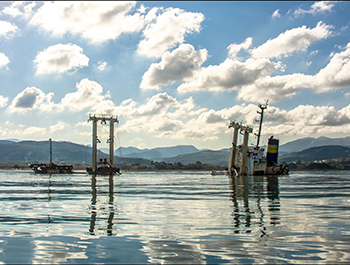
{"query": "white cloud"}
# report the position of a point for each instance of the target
(167, 30)
(252, 77)
(336, 74)
(7, 29)
(4, 60)
(276, 14)
(97, 21)
(20, 8)
(88, 94)
(234, 49)
(57, 127)
(60, 58)
(30, 99)
(297, 39)
(172, 119)
(175, 66)
(333, 76)
(101, 66)
(229, 75)
(33, 130)
(316, 8)
(308, 119)
(14, 9)
(3, 101)
(275, 88)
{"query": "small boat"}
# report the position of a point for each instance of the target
(215, 173)
(51, 168)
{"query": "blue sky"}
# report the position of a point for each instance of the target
(174, 72)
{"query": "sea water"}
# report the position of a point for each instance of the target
(175, 217)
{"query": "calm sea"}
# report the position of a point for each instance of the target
(175, 218)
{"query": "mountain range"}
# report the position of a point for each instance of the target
(305, 149)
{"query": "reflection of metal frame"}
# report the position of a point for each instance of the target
(94, 210)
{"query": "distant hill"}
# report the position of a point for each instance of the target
(62, 152)
(13, 151)
(317, 153)
(209, 157)
(305, 143)
(156, 153)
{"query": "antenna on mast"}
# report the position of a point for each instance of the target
(261, 112)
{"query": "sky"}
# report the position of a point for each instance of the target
(174, 73)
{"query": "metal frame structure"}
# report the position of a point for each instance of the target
(104, 119)
(246, 130)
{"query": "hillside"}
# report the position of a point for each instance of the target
(209, 157)
(156, 153)
(317, 153)
(67, 152)
(62, 152)
(305, 143)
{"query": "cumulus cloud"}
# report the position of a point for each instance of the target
(234, 49)
(308, 119)
(170, 118)
(316, 8)
(3, 101)
(275, 88)
(178, 65)
(20, 8)
(167, 30)
(7, 29)
(255, 78)
(333, 76)
(229, 75)
(60, 58)
(297, 39)
(33, 130)
(30, 99)
(88, 94)
(336, 74)
(57, 127)
(97, 21)
(4, 60)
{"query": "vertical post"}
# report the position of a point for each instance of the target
(246, 130)
(50, 151)
(94, 145)
(232, 158)
(111, 142)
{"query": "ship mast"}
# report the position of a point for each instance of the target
(261, 112)
(50, 151)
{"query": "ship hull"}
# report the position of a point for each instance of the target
(51, 169)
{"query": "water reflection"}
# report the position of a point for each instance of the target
(249, 196)
(109, 228)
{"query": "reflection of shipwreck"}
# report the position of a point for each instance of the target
(51, 168)
(250, 160)
(255, 198)
(104, 166)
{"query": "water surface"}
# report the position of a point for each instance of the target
(175, 217)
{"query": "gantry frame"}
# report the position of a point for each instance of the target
(104, 119)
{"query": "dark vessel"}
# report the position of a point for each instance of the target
(51, 168)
